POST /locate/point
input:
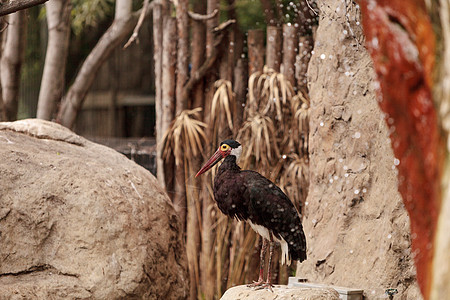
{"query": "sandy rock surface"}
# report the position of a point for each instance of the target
(79, 220)
(355, 223)
(280, 292)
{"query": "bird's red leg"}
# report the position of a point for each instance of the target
(268, 284)
(261, 265)
(269, 269)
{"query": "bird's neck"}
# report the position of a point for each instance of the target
(229, 164)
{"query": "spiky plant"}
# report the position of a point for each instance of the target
(300, 125)
(222, 109)
(260, 148)
(269, 91)
(185, 137)
(295, 175)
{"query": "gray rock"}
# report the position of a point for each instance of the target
(79, 220)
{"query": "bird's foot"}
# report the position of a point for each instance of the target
(265, 285)
(256, 284)
(262, 285)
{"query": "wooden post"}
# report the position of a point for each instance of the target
(179, 198)
(158, 51)
(169, 60)
(207, 276)
(290, 45)
(198, 52)
(11, 61)
(255, 42)
(197, 100)
(305, 46)
(273, 50)
(238, 35)
(240, 89)
(182, 54)
(269, 13)
(227, 58)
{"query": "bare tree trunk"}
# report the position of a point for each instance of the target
(52, 84)
(116, 33)
(273, 50)
(207, 279)
(11, 62)
(240, 89)
(198, 51)
(290, 43)
(179, 198)
(255, 42)
(169, 61)
(183, 52)
(305, 46)
(158, 54)
(193, 218)
(238, 35)
(3, 25)
(167, 113)
(269, 14)
(227, 58)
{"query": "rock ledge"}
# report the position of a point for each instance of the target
(280, 292)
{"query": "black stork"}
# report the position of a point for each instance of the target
(248, 196)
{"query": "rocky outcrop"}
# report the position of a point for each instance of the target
(79, 220)
(356, 225)
(280, 292)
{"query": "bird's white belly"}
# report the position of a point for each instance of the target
(265, 233)
(261, 230)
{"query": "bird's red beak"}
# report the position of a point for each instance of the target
(217, 156)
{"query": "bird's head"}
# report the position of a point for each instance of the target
(226, 148)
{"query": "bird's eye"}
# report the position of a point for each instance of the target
(225, 147)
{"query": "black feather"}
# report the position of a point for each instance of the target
(247, 195)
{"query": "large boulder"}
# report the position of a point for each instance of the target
(356, 225)
(79, 220)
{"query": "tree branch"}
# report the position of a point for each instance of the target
(224, 25)
(13, 6)
(134, 36)
(209, 62)
(74, 98)
(200, 17)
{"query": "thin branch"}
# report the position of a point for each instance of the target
(209, 62)
(76, 94)
(309, 5)
(134, 36)
(224, 25)
(200, 17)
(13, 6)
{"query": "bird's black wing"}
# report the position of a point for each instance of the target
(271, 208)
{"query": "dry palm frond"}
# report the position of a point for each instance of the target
(295, 178)
(252, 103)
(185, 136)
(259, 132)
(300, 124)
(223, 101)
(300, 109)
(268, 91)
